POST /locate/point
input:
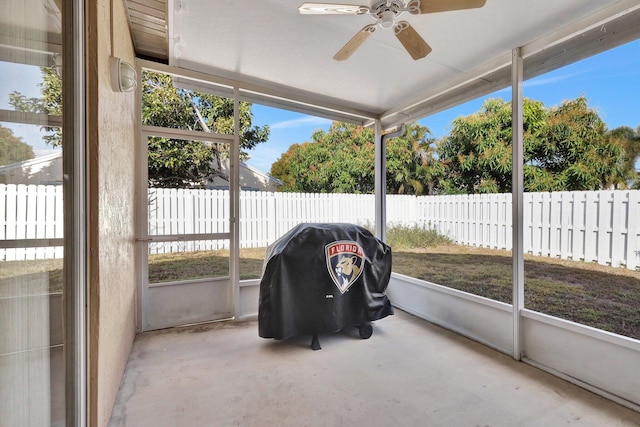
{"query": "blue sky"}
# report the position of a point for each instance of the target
(610, 81)
(21, 78)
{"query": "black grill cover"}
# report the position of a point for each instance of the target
(322, 278)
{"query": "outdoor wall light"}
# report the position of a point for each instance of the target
(123, 76)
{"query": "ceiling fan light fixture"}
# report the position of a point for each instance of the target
(387, 19)
(386, 14)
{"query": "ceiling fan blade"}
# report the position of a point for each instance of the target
(411, 40)
(353, 44)
(332, 9)
(432, 6)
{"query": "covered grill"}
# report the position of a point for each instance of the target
(321, 278)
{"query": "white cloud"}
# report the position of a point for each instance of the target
(262, 156)
(541, 81)
(301, 122)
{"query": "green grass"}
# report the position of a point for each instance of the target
(9, 269)
(200, 264)
(599, 296)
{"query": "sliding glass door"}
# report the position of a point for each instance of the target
(37, 382)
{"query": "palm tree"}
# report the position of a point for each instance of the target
(629, 140)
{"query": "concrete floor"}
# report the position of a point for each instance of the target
(409, 373)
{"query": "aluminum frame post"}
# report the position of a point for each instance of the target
(380, 177)
(142, 212)
(517, 178)
(76, 210)
(234, 187)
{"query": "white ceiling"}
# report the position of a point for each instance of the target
(267, 46)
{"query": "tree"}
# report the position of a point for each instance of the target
(629, 140)
(337, 161)
(171, 162)
(565, 148)
(179, 163)
(572, 152)
(282, 170)
(50, 103)
(477, 154)
(342, 161)
(411, 164)
(12, 148)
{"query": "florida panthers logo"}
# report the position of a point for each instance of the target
(344, 263)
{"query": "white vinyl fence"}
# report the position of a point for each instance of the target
(593, 226)
(31, 212)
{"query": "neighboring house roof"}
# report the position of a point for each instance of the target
(251, 179)
(45, 169)
(36, 161)
(275, 181)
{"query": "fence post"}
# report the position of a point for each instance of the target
(591, 226)
(273, 215)
(578, 225)
(604, 230)
(633, 231)
(619, 205)
(555, 224)
(565, 224)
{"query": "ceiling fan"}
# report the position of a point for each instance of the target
(386, 14)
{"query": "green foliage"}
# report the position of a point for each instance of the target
(178, 163)
(337, 161)
(50, 103)
(629, 141)
(411, 166)
(342, 161)
(401, 237)
(165, 105)
(566, 148)
(477, 153)
(282, 169)
(12, 148)
(172, 163)
(572, 151)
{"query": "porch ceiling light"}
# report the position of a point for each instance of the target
(123, 76)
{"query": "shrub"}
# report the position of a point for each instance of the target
(402, 237)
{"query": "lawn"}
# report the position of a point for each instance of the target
(195, 265)
(599, 296)
(32, 270)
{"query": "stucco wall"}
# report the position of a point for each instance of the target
(111, 150)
